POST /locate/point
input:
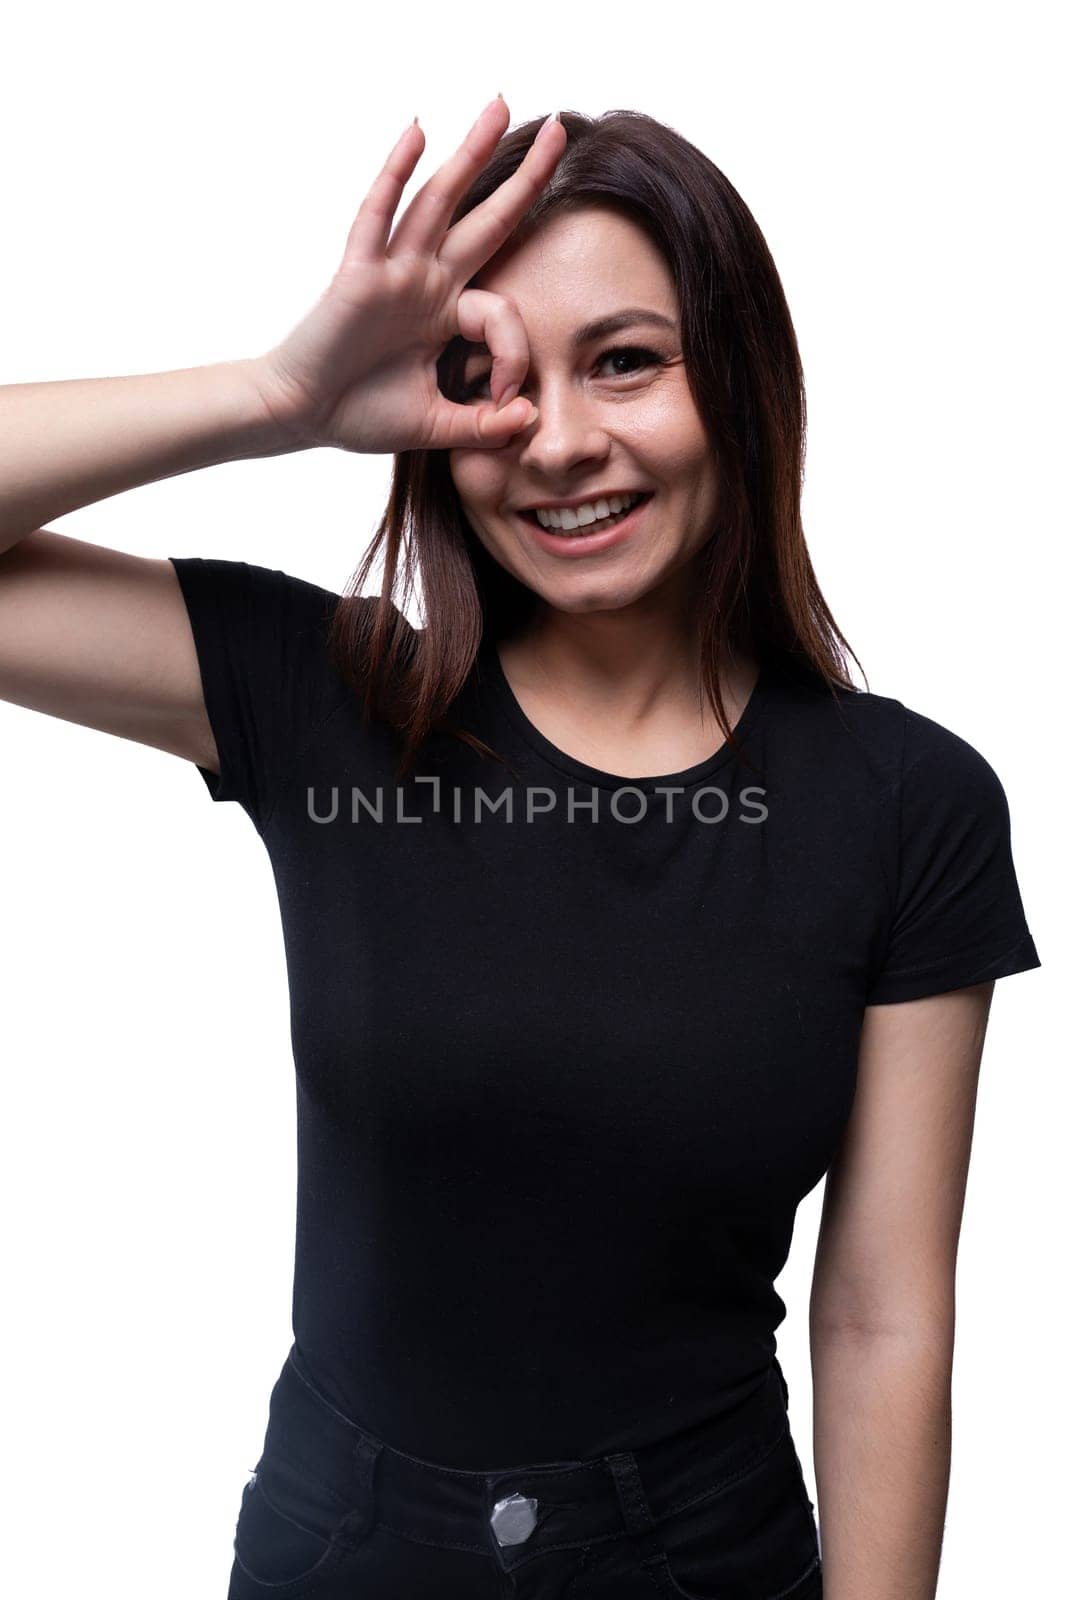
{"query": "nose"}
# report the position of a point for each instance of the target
(569, 428)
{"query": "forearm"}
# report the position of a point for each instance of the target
(882, 1440)
(70, 443)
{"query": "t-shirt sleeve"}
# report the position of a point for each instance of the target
(958, 916)
(260, 637)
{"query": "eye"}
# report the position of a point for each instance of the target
(474, 386)
(644, 356)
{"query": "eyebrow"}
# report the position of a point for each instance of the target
(602, 327)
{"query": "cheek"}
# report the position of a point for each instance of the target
(478, 478)
(482, 486)
(477, 503)
(686, 462)
(678, 452)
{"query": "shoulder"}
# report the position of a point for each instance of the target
(921, 748)
(271, 594)
(251, 580)
(894, 739)
(246, 583)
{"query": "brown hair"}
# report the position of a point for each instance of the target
(758, 588)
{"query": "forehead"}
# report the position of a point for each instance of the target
(573, 240)
(577, 268)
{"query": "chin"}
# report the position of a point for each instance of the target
(580, 599)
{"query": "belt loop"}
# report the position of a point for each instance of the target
(631, 1493)
(366, 1455)
(638, 1518)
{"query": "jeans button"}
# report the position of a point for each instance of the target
(514, 1519)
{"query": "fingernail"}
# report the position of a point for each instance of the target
(509, 394)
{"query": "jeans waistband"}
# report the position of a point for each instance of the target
(547, 1504)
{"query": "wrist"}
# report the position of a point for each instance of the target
(277, 415)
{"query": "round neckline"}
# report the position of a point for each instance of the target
(596, 777)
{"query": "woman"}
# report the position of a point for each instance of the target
(590, 984)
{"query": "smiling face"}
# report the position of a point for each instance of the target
(616, 414)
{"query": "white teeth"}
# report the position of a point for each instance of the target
(592, 511)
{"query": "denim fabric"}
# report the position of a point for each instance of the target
(333, 1513)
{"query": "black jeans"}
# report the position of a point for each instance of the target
(333, 1513)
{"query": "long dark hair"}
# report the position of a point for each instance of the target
(758, 590)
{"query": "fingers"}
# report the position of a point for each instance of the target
(489, 319)
(478, 235)
(369, 233)
(425, 222)
(458, 427)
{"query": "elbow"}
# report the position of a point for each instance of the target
(920, 1307)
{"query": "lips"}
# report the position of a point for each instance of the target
(592, 540)
(531, 515)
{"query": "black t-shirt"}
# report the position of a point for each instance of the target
(564, 1076)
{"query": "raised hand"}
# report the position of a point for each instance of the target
(359, 372)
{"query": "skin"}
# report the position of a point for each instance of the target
(610, 665)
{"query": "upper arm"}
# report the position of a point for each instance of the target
(101, 637)
(893, 1200)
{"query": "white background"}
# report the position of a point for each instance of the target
(177, 189)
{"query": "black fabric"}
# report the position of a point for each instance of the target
(563, 1077)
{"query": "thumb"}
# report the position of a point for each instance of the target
(464, 427)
